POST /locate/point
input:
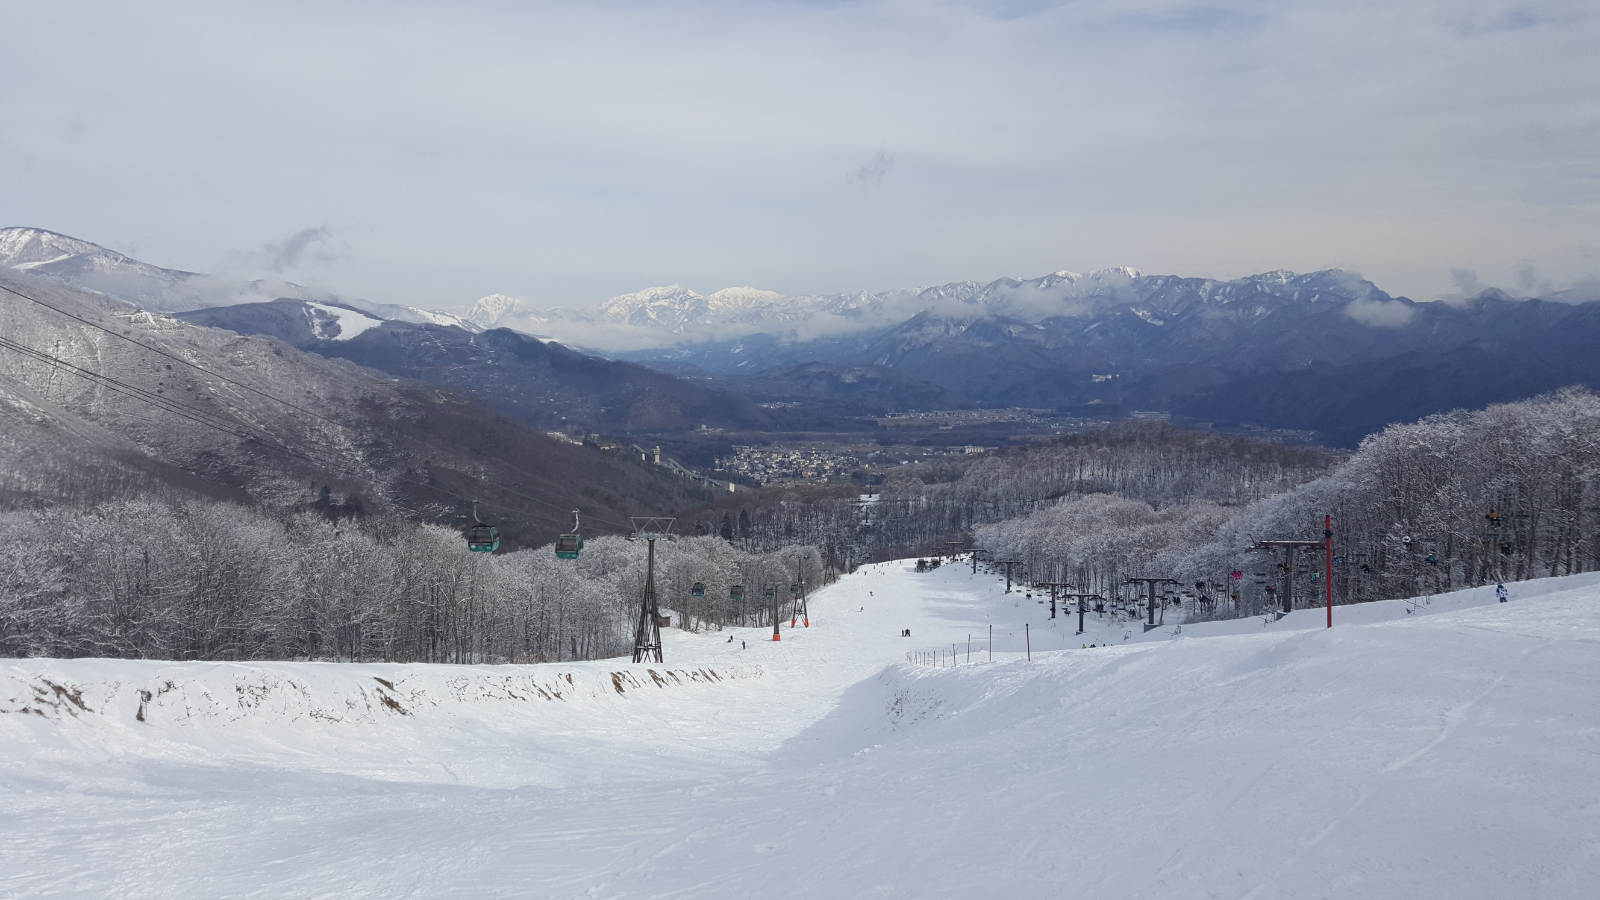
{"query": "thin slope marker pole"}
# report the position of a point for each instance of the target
(1027, 636)
(991, 643)
(1327, 562)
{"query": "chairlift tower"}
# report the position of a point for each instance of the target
(1288, 548)
(800, 611)
(647, 636)
(1083, 603)
(1151, 583)
(975, 551)
(1008, 563)
(1055, 587)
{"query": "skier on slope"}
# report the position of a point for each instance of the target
(1501, 592)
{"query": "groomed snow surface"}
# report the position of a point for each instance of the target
(1453, 752)
(350, 322)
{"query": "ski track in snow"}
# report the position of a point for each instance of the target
(1451, 753)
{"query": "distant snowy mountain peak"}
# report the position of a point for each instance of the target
(81, 264)
(744, 297)
(1122, 272)
(488, 311)
(29, 248)
(669, 316)
(652, 304)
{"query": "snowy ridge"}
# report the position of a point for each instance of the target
(35, 251)
(488, 311)
(674, 315)
(28, 248)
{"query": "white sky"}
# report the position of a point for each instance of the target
(568, 152)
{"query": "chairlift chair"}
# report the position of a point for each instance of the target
(568, 546)
(482, 538)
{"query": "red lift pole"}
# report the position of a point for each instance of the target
(1327, 561)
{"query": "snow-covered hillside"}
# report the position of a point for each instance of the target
(1447, 752)
(92, 267)
(35, 251)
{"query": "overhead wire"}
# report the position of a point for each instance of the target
(202, 369)
(273, 397)
(237, 429)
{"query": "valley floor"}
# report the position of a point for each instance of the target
(1453, 752)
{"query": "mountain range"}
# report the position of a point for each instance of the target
(673, 316)
(1327, 352)
(103, 401)
(539, 382)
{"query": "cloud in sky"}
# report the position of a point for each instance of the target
(566, 152)
(1380, 313)
(874, 169)
(304, 247)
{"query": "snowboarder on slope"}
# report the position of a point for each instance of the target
(1501, 592)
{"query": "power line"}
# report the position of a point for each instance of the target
(620, 528)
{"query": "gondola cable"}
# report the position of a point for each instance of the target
(235, 429)
(620, 528)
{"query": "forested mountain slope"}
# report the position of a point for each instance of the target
(539, 382)
(198, 411)
(1455, 500)
(918, 509)
(1326, 352)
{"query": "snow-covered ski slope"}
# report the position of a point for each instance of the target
(1453, 752)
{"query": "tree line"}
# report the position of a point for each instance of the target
(202, 580)
(1455, 500)
(917, 511)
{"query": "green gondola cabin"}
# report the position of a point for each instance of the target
(568, 546)
(483, 538)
